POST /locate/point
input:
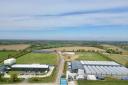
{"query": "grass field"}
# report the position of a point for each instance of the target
(91, 56)
(38, 58)
(4, 54)
(78, 48)
(14, 47)
(122, 59)
(112, 82)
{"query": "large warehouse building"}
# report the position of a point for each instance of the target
(30, 67)
(99, 69)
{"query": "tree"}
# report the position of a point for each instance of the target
(1, 77)
(14, 77)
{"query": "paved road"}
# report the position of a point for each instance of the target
(60, 69)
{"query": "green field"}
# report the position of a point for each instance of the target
(122, 59)
(91, 56)
(37, 58)
(112, 82)
(4, 54)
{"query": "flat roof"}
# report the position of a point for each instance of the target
(102, 63)
(30, 66)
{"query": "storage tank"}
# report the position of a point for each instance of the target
(10, 61)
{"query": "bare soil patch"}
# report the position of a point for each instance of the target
(14, 47)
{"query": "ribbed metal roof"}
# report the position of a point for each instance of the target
(30, 66)
(76, 65)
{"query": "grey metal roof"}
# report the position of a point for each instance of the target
(100, 68)
(76, 65)
(2, 69)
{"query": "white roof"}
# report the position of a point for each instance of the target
(69, 53)
(102, 63)
(81, 71)
(30, 66)
(91, 77)
(10, 59)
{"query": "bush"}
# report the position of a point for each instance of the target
(14, 77)
(1, 77)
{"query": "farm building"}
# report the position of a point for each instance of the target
(10, 61)
(30, 67)
(99, 69)
(44, 51)
(69, 53)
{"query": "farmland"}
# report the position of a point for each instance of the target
(5, 54)
(122, 59)
(78, 48)
(91, 56)
(111, 82)
(14, 47)
(37, 58)
(106, 46)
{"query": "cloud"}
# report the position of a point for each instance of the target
(54, 14)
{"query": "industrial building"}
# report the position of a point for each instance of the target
(30, 67)
(10, 65)
(99, 69)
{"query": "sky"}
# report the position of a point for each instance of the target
(105, 20)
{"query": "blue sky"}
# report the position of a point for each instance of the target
(64, 19)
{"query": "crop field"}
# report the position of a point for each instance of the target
(112, 47)
(4, 54)
(122, 59)
(14, 47)
(78, 48)
(38, 58)
(111, 82)
(91, 56)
